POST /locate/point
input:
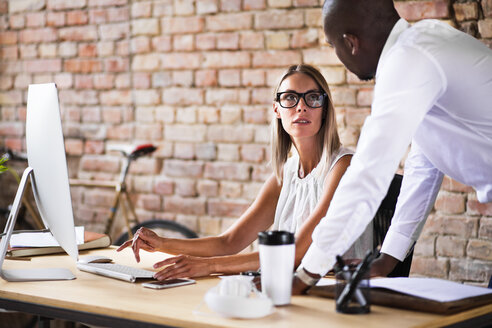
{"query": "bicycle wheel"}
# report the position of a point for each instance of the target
(163, 228)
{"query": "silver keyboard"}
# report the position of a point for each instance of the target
(117, 271)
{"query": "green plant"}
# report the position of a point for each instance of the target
(2, 167)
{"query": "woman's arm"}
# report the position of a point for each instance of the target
(258, 217)
(192, 266)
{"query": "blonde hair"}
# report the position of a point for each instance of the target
(328, 139)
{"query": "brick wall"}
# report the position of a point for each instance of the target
(196, 79)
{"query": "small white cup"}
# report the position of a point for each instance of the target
(277, 256)
(235, 285)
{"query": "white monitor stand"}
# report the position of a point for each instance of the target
(25, 274)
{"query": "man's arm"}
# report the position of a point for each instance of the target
(408, 86)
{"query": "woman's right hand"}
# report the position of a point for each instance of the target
(144, 239)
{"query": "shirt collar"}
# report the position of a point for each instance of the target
(398, 29)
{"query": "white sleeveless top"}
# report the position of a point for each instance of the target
(298, 198)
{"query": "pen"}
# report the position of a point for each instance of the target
(361, 270)
(344, 270)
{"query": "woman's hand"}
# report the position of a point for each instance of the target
(184, 266)
(144, 239)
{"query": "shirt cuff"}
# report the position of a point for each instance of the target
(317, 261)
(396, 245)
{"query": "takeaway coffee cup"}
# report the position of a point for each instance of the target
(277, 255)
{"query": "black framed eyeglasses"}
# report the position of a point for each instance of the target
(313, 99)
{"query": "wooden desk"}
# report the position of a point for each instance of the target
(98, 300)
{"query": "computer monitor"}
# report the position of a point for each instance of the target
(49, 176)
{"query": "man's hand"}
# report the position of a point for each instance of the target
(298, 287)
(303, 280)
(383, 265)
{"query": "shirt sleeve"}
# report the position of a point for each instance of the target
(421, 183)
(408, 85)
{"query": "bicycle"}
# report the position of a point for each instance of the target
(122, 199)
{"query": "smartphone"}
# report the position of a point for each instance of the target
(168, 283)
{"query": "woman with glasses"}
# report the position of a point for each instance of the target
(308, 163)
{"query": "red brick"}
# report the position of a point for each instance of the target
(10, 128)
(275, 58)
(141, 9)
(55, 19)
(9, 52)
(6, 82)
(77, 17)
(103, 81)
(228, 152)
(255, 116)
(120, 132)
(74, 147)
(149, 62)
(206, 151)
(449, 184)
(226, 59)
(416, 10)
(63, 4)
(106, 3)
(121, 14)
(226, 208)
(17, 21)
(82, 65)
(252, 153)
(114, 31)
(28, 51)
(164, 8)
(251, 40)
(100, 163)
(485, 28)
(222, 96)
(162, 43)
(98, 16)
(450, 246)
(279, 3)
(182, 96)
(186, 169)
(15, 144)
(46, 34)
(122, 48)
(83, 82)
(320, 57)
(304, 38)
(181, 60)
(182, 78)
(184, 151)
(230, 5)
(115, 65)
(164, 187)
(8, 37)
(253, 4)
(227, 171)
(261, 172)
(42, 65)
(229, 41)
(149, 202)
(178, 25)
(184, 7)
(140, 44)
(469, 270)
(229, 78)
(30, 5)
(183, 42)
(95, 147)
(111, 115)
(87, 50)
(205, 41)
(207, 188)
(229, 189)
(99, 197)
(67, 49)
(479, 249)
(145, 26)
(279, 19)
(364, 97)
(207, 7)
(229, 22)
(206, 78)
(430, 267)
(474, 207)
(253, 77)
(186, 133)
(192, 206)
(115, 97)
(306, 3)
(185, 188)
(426, 246)
(487, 8)
(78, 33)
(465, 11)
(83, 97)
(35, 19)
(485, 230)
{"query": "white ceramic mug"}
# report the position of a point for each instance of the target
(277, 255)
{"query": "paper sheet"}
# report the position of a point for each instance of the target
(41, 239)
(430, 288)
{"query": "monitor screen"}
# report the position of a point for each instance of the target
(46, 156)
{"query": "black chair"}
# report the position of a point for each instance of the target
(382, 221)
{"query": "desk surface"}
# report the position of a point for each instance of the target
(96, 295)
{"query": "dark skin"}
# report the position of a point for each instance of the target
(358, 30)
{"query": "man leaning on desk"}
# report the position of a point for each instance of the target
(433, 90)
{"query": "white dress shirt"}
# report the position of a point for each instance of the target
(434, 90)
